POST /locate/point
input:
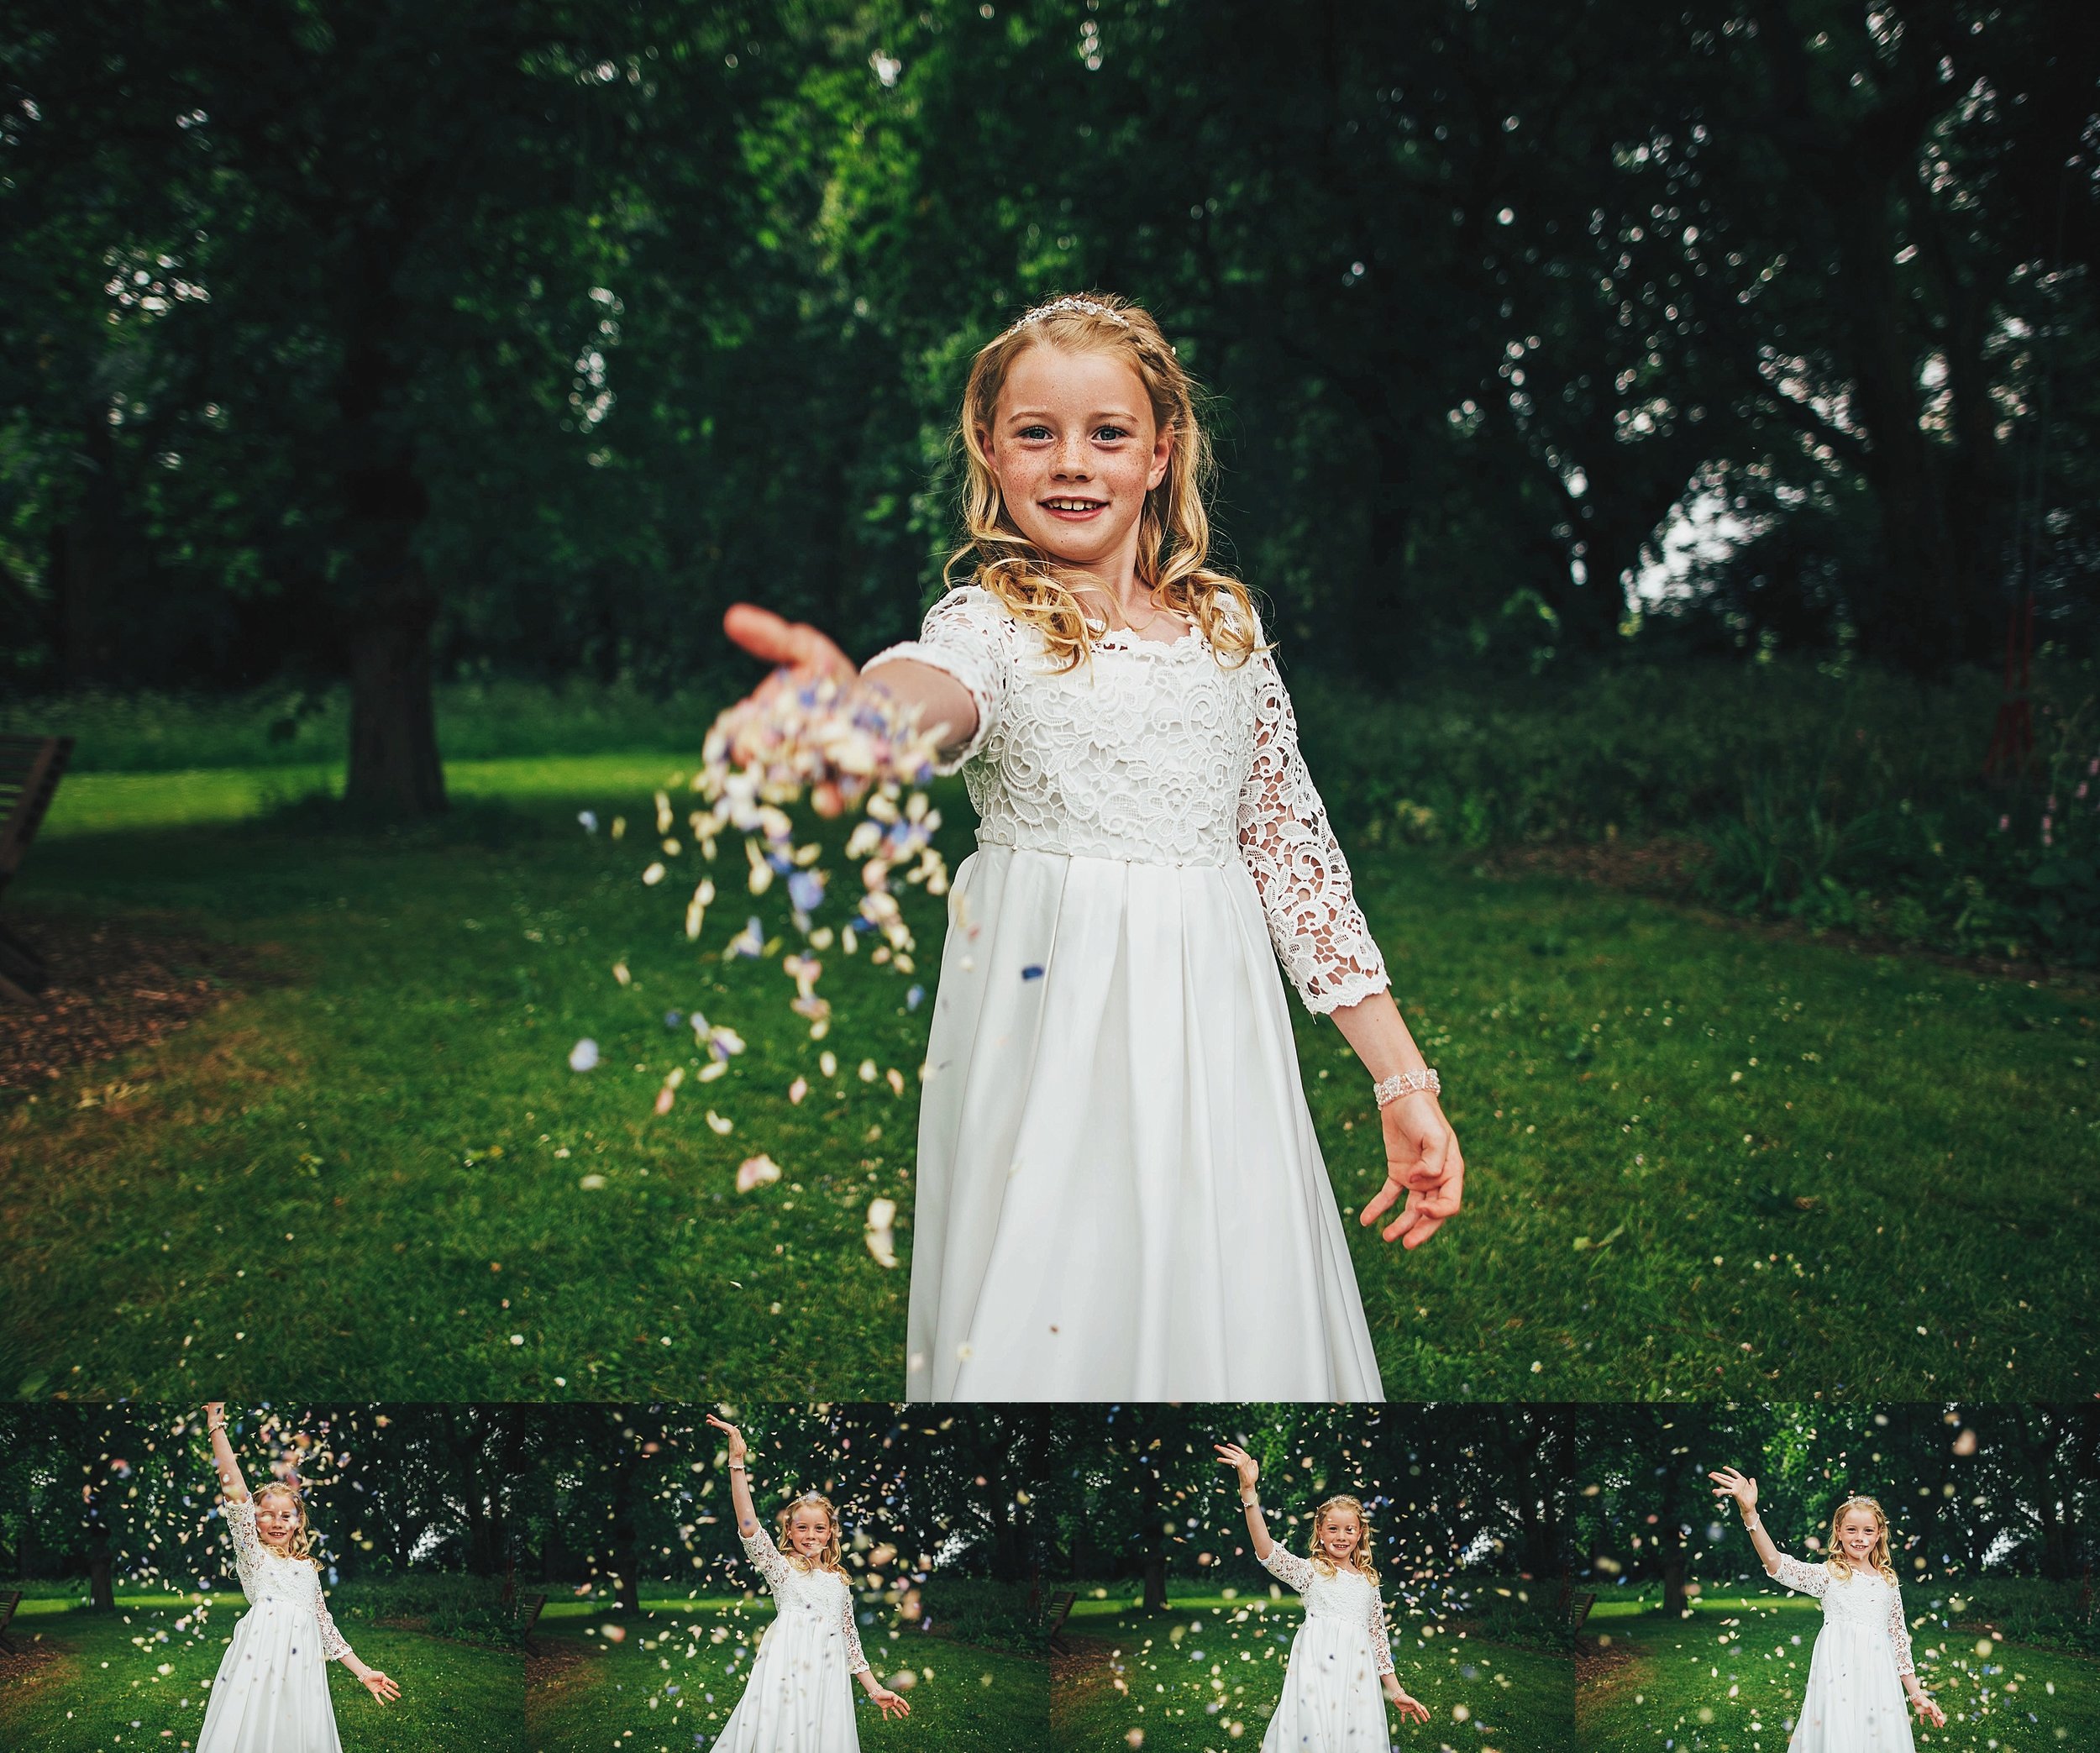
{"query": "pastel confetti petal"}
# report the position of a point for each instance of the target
(584, 1055)
(756, 1172)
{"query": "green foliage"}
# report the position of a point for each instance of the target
(470, 1609)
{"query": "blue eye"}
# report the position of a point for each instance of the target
(1111, 433)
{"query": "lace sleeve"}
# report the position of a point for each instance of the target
(334, 1648)
(855, 1662)
(1803, 1579)
(759, 1549)
(1288, 1568)
(1899, 1631)
(1290, 850)
(963, 637)
(1381, 1638)
(241, 1527)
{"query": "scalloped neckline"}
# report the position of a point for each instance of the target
(1123, 638)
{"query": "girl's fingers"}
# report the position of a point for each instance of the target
(1381, 1203)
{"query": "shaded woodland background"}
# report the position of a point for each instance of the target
(1572, 363)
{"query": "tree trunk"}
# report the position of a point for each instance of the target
(395, 769)
(88, 552)
(101, 1590)
(1673, 1582)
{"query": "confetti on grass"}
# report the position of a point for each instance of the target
(756, 1172)
(584, 1055)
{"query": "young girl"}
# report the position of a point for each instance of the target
(797, 1699)
(1861, 1667)
(1341, 1659)
(271, 1695)
(1120, 1193)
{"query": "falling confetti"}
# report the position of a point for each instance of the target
(881, 1237)
(584, 1055)
(756, 1172)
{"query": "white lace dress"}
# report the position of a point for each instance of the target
(1855, 1701)
(1331, 1701)
(799, 1697)
(1120, 1193)
(271, 1694)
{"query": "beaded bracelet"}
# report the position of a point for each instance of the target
(1401, 1083)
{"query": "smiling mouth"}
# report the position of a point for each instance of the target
(1073, 506)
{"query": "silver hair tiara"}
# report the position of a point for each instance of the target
(1050, 309)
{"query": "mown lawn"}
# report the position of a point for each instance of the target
(1704, 1161)
(1205, 1676)
(1730, 1679)
(86, 1682)
(669, 1682)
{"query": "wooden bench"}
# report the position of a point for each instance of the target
(1578, 1608)
(8, 1603)
(528, 1617)
(1060, 1611)
(30, 769)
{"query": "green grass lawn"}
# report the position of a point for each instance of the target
(85, 1682)
(1729, 1680)
(669, 1684)
(1704, 1161)
(1205, 1678)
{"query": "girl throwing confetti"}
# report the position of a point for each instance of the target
(1120, 1194)
(1861, 1668)
(797, 1699)
(271, 1694)
(1341, 1659)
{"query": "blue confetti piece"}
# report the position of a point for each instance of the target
(589, 818)
(805, 888)
(914, 997)
(1033, 971)
(673, 1018)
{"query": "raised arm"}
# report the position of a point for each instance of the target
(1806, 1579)
(1249, 1470)
(230, 1483)
(739, 1477)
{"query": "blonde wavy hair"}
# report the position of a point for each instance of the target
(1839, 1565)
(1174, 531)
(301, 1544)
(1360, 1555)
(831, 1558)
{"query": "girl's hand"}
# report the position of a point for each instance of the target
(805, 650)
(1233, 1456)
(1422, 1160)
(886, 1701)
(1730, 1483)
(1928, 1712)
(738, 1448)
(379, 1685)
(1411, 1708)
(214, 1411)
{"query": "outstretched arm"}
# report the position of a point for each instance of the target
(335, 1647)
(230, 1483)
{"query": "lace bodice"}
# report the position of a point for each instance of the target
(1862, 1600)
(823, 1596)
(1345, 1595)
(1155, 753)
(267, 1576)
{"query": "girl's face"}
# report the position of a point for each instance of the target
(1857, 1533)
(1339, 1534)
(1075, 448)
(276, 1519)
(808, 1531)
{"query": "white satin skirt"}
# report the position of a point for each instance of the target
(1120, 1193)
(271, 1695)
(1331, 1702)
(798, 1698)
(1855, 1701)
